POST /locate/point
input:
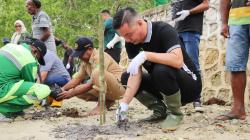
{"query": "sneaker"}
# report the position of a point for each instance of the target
(4, 118)
(198, 107)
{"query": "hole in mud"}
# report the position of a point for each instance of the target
(214, 100)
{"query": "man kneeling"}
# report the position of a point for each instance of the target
(89, 67)
(18, 89)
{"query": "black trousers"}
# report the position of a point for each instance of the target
(167, 80)
(115, 53)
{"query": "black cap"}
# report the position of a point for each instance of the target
(83, 43)
(6, 40)
(41, 47)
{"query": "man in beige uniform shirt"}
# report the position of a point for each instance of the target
(89, 67)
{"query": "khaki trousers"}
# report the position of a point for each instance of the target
(113, 88)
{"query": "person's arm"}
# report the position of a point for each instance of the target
(133, 85)
(224, 12)
(70, 57)
(44, 75)
(112, 42)
(44, 24)
(46, 34)
(173, 59)
(81, 89)
(49, 59)
(200, 8)
(72, 83)
(76, 80)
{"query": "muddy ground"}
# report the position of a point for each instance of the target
(71, 123)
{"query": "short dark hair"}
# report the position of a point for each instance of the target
(37, 3)
(125, 15)
(105, 11)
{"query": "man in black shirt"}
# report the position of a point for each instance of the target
(188, 15)
(171, 75)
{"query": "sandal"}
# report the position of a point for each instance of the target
(228, 116)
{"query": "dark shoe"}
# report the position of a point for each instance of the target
(198, 107)
(3, 118)
(16, 114)
(152, 103)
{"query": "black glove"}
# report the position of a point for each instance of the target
(55, 91)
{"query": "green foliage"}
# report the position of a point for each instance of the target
(70, 18)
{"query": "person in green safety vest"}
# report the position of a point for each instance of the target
(18, 70)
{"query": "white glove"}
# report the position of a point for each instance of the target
(68, 66)
(182, 15)
(136, 63)
(121, 112)
(113, 41)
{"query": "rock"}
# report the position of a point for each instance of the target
(59, 113)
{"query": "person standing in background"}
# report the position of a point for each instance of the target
(20, 34)
(235, 19)
(112, 40)
(68, 60)
(41, 24)
(188, 16)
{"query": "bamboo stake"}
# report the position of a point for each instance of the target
(101, 73)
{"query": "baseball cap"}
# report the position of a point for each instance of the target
(83, 43)
(6, 40)
(41, 47)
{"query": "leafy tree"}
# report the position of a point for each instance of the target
(70, 18)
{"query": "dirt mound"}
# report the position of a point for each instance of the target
(50, 112)
(89, 132)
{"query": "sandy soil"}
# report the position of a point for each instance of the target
(70, 122)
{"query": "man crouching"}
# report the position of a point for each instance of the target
(89, 67)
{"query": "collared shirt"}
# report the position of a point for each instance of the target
(39, 21)
(54, 66)
(109, 65)
(149, 32)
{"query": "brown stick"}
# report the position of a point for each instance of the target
(101, 73)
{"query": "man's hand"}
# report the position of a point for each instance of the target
(182, 15)
(136, 63)
(121, 114)
(225, 30)
(65, 95)
(55, 90)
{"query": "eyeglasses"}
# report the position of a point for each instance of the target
(18, 26)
